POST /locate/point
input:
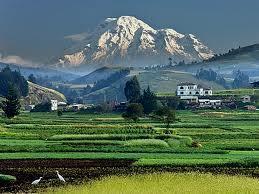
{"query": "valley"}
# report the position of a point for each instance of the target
(138, 97)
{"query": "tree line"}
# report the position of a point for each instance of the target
(145, 103)
(12, 86)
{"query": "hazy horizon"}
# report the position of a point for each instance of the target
(35, 31)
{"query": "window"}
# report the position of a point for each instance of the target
(197, 93)
(181, 92)
(206, 92)
(181, 88)
(190, 93)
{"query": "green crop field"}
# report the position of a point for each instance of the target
(224, 138)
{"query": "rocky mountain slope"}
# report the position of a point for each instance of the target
(38, 94)
(128, 41)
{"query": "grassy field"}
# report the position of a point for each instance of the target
(226, 138)
(166, 183)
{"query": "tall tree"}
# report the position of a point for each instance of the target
(148, 101)
(166, 115)
(14, 78)
(133, 112)
(11, 106)
(132, 90)
(32, 78)
(241, 80)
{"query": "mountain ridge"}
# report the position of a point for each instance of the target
(128, 41)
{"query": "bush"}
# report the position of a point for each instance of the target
(146, 143)
(43, 107)
(7, 178)
(133, 112)
(196, 144)
(174, 143)
(60, 113)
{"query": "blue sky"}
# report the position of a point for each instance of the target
(35, 29)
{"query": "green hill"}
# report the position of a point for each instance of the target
(159, 82)
(245, 59)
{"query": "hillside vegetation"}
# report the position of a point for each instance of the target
(243, 58)
(160, 81)
(38, 94)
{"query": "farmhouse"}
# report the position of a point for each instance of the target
(54, 105)
(246, 99)
(191, 89)
(207, 103)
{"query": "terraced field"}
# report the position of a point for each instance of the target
(81, 145)
(225, 137)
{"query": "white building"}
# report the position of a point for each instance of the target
(191, 89)
(54, 105)
(207, 103)
(246, 99)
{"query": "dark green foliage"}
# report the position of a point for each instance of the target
(133, 112)
(211, 75)
(111, 79)
(14, 78)
(11, 106)
(98, 109)
(60, 113)
(6, 178)
(166, 115)
(148, 101)
(173, 102)
(241, 80)
(232, 53)
(32, 78)
(42, 107)
(132, 90)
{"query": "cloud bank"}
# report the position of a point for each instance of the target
(14, 59)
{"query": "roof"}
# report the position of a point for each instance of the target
(204, 87)
(186, 84)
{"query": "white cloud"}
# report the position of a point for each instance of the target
(14, 59)
(77, 37)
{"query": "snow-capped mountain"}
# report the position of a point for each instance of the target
(128, 41)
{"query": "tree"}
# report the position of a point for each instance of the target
(148, 101)
(241, 80)
(173, 102)
(14, 78)
(59, 113)
(42, 107)
(170, 61)
(11, 106)
(32, 78)
(166, 115)
(133, 112)
(132, 90)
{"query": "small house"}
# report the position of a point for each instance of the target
(54, 105)
(250, 107)
(246, 99)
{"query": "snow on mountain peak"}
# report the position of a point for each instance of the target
(129, 41)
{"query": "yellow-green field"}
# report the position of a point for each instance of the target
(165, 183)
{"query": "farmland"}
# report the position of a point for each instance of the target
(227, 141)
(166, 183)
(230, 136)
